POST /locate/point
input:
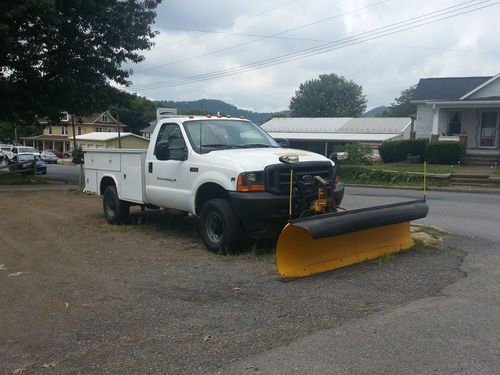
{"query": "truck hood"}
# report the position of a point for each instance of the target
(257, 159)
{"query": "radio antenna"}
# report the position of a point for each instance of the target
(201, 125)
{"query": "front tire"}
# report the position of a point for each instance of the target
(115, 210)
(219, 227)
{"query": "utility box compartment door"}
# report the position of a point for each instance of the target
(132, 177)
(91, 185)
(107, 161)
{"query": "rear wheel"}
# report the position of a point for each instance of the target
(219, 227)
(116, 211)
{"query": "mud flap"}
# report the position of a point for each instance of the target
(326, 242)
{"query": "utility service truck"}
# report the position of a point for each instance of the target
(236, 179)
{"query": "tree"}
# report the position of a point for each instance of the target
(401, 107)
(137, 111)
(63, 55)
(328, 96)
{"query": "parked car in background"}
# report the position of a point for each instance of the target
(24, 161)
(14, 150)
(59, 154)
(48, 157)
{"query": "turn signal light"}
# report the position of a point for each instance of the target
(250, 181)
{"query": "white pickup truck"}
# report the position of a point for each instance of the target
(225, 171)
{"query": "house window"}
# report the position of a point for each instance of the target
(64, 130)
(64, 116)
(110, 130)
(455, 123)
(104, 118)
(98, 129)
(50, 130)
(79, 130)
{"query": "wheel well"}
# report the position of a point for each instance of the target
(105, 182)
(207, 192)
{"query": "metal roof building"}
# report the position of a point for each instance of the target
(319, 134)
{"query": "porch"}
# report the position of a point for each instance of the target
(44, 142)
(476, 125)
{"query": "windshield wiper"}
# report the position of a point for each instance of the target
(252, 145)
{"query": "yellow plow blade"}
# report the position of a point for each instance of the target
(326, 242)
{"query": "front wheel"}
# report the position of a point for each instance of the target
(116, 211)
(219, 227)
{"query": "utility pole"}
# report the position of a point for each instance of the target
(119, 134)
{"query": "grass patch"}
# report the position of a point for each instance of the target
(402, 167)
(496, 172)
(384, 258)
(75, 191)
(358, 174)
(362, 309)
(456, 252)
(13, 179)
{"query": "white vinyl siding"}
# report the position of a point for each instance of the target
(423, 123)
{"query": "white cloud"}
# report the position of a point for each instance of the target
(383, 66)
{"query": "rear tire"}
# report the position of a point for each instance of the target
(115, 210)
(219, 227)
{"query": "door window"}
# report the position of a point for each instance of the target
(488, 129)
(171, 133)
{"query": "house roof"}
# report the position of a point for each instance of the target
(47, 137)
(105, 136)
(149, 129)
(375, 129)
(450, 88)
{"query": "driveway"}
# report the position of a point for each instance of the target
(81, 296)
(456, 331)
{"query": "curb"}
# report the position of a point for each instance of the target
(465, 189)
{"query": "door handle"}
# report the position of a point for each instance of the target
(150, 167)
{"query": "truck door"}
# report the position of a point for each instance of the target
(167, 182)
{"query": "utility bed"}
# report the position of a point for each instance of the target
(124, 166)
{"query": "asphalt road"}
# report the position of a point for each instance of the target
(68, 173)
(470, 214)
(455, 332)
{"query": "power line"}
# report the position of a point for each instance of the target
(263, 37)
(330, 41)
(342, 43)
(227, 25)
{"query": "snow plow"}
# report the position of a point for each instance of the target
(322, 237)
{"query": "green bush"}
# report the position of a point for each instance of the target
(394, 151)
(446, 152)
(387, 151)
(358, 153)
(354, 174)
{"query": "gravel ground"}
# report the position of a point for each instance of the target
(148, 298)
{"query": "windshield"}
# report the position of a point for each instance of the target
(25, 157)
(226, 134)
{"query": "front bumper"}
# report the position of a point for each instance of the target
(262, 210)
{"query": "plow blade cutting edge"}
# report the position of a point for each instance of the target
(325, 242)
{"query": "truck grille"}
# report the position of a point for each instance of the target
(277, 176)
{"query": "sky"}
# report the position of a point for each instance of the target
(225, 36)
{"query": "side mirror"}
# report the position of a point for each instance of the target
(162, 150)
(285, 143)
(335, 156)
(178, 153)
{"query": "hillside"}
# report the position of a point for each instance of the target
(213, 106)
(374, 112)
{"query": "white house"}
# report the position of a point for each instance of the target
(322, 134)
(460, 108)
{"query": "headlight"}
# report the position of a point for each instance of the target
(251, 181)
